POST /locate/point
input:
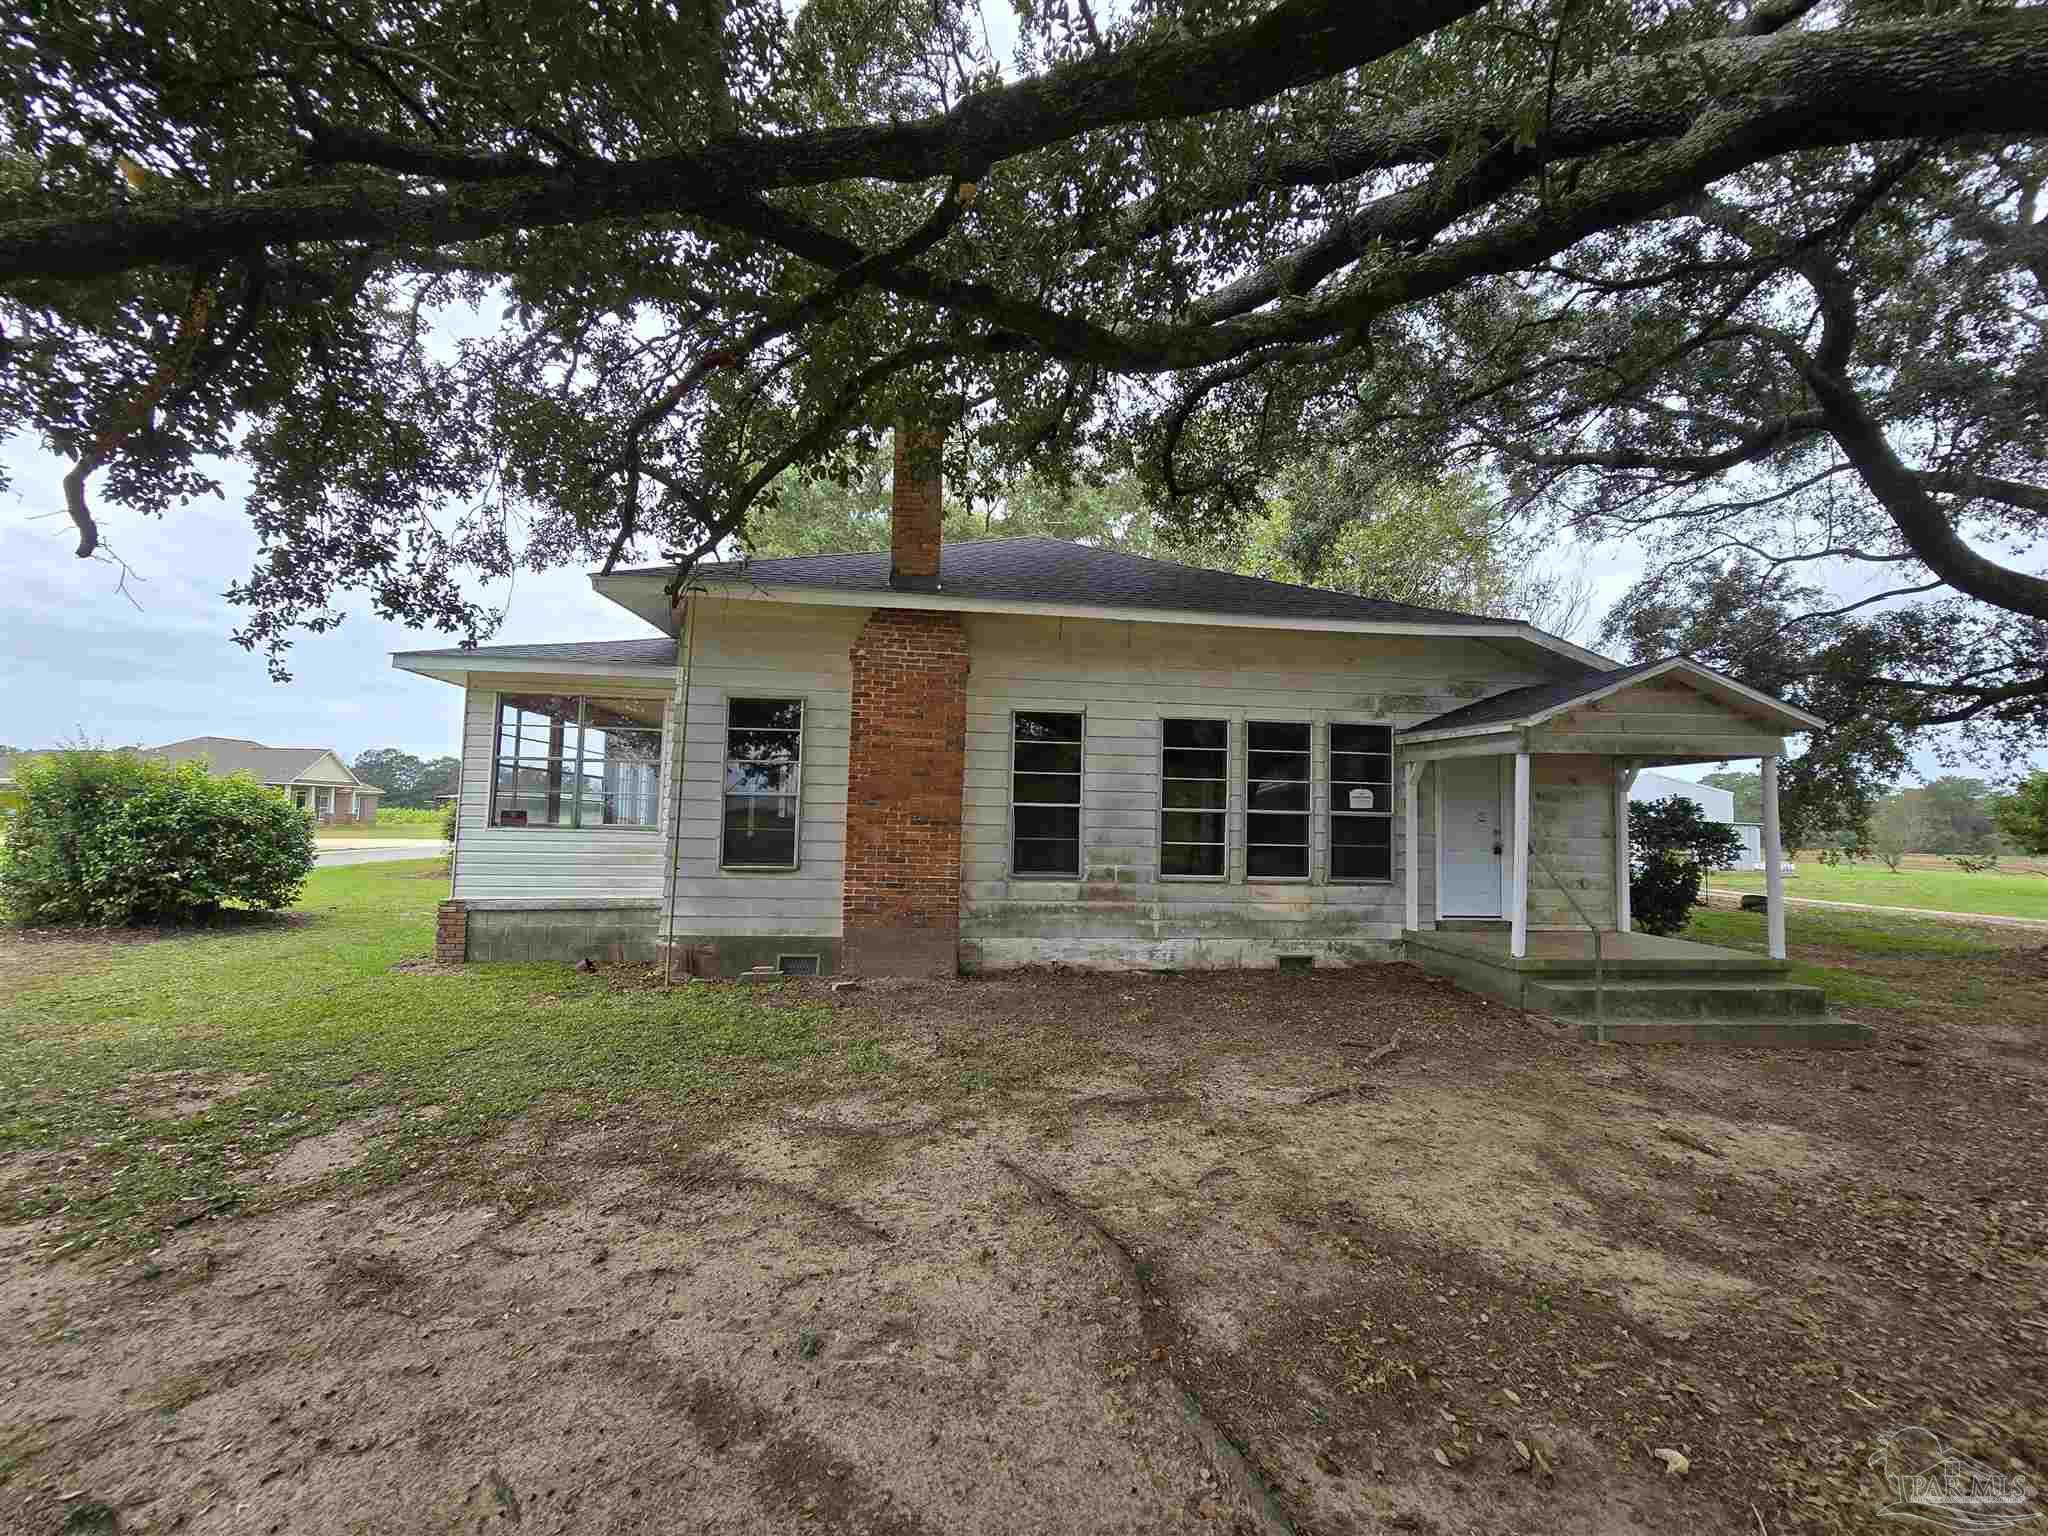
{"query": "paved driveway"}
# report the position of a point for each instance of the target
(379, 853)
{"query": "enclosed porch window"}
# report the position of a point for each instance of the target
(576, 760)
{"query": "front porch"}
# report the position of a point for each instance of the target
(1530, 882)
(1641, 988)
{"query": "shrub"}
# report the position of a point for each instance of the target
(448, 813)
(1672, 844)
(2023, 814)
(108, 838)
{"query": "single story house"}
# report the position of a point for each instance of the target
(315, 778)
(1717, 805)
(1012, 752)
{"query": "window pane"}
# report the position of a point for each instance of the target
(1362, 767)
(624, 714)
(1361, 797)
(760, 778)
(1194, 794)
(630, 795)
(1362, 738)
(756, 746)
(1275, 863)
(1047, 757)
(1273, 796)
(1047, 856)
(1361, 848)
(1192, 827)
(1277, 765)
(1195, 733)
(1047, 788)
(534, 794)
(1190, 764)
(1266, 736)
(1277, 829)
(760, 829)
(1037, 821)
(1041, 726)
(775, 714)
(1191, 859)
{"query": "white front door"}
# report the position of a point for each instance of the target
(1470, 868)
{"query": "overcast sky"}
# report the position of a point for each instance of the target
(76, 658)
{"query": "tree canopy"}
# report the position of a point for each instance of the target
(1759, 284)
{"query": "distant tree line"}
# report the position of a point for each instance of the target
(1949, 815)
(408, 782)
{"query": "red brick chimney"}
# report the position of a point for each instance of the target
(917, 510)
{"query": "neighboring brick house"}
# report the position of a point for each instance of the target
(315, 778)
(1008, 752)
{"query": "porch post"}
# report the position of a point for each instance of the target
(1518, 912)
(1411, 823)
(1623, 775)
(1774, 877)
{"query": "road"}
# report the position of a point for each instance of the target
(378, 853)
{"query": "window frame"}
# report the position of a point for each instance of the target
(1308, 872)
(1079, 807)
(1222, 876)
(796, 843)
(1331, 813)
(582, 699)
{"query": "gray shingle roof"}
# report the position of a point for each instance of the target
(617, 653)
(1059, 571)
(1520, 703)
(232, 754)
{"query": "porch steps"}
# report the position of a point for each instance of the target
(1678, 998)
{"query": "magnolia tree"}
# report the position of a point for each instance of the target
(1760, 285)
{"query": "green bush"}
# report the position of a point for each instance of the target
(108, 838)
(447, 815)
(408, 816)
(1672, 844)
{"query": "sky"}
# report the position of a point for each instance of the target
(78, 659)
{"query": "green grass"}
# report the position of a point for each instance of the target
(1991, 893)
(1898, 963)
(310, 1012)
(415, 831)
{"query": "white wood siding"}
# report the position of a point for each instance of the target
(1126, 677)
(549, 863)
(747, 650)
(1665, 720)
(1571, 817)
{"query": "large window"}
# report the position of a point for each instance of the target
(1276, 801)
(1194, 798)
(1361, 802)
(1045, 794)
(566, 760)
(764, 740)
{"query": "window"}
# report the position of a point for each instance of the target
(1361, 802)
(1276, 801)
(564, 760)
(1194, 798)
(763, 782)
(1045, 795)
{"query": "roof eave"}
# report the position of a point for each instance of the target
(1787, 717)
(955, 602)
(459, 669)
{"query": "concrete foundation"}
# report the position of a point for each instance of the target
(918, 952)
(728, 955)
(616, 933)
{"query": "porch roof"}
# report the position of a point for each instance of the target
(1523, 708)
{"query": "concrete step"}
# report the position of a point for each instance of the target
(1679, 999)
(1811, 1031)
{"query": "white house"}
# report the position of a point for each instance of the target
(1020, 751)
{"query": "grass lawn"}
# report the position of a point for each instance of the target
(1994, 893)
(300, 1023)
(394, 831)
(1915, 969)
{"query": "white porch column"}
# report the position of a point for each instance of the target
(1411, 824)
(1774, 877)
(1624, 777)
(1518, 896)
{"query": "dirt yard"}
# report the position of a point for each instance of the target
(1082, 1253)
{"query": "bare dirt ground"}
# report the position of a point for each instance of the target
(1100, 1254)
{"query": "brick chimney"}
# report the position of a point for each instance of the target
(917, 510)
